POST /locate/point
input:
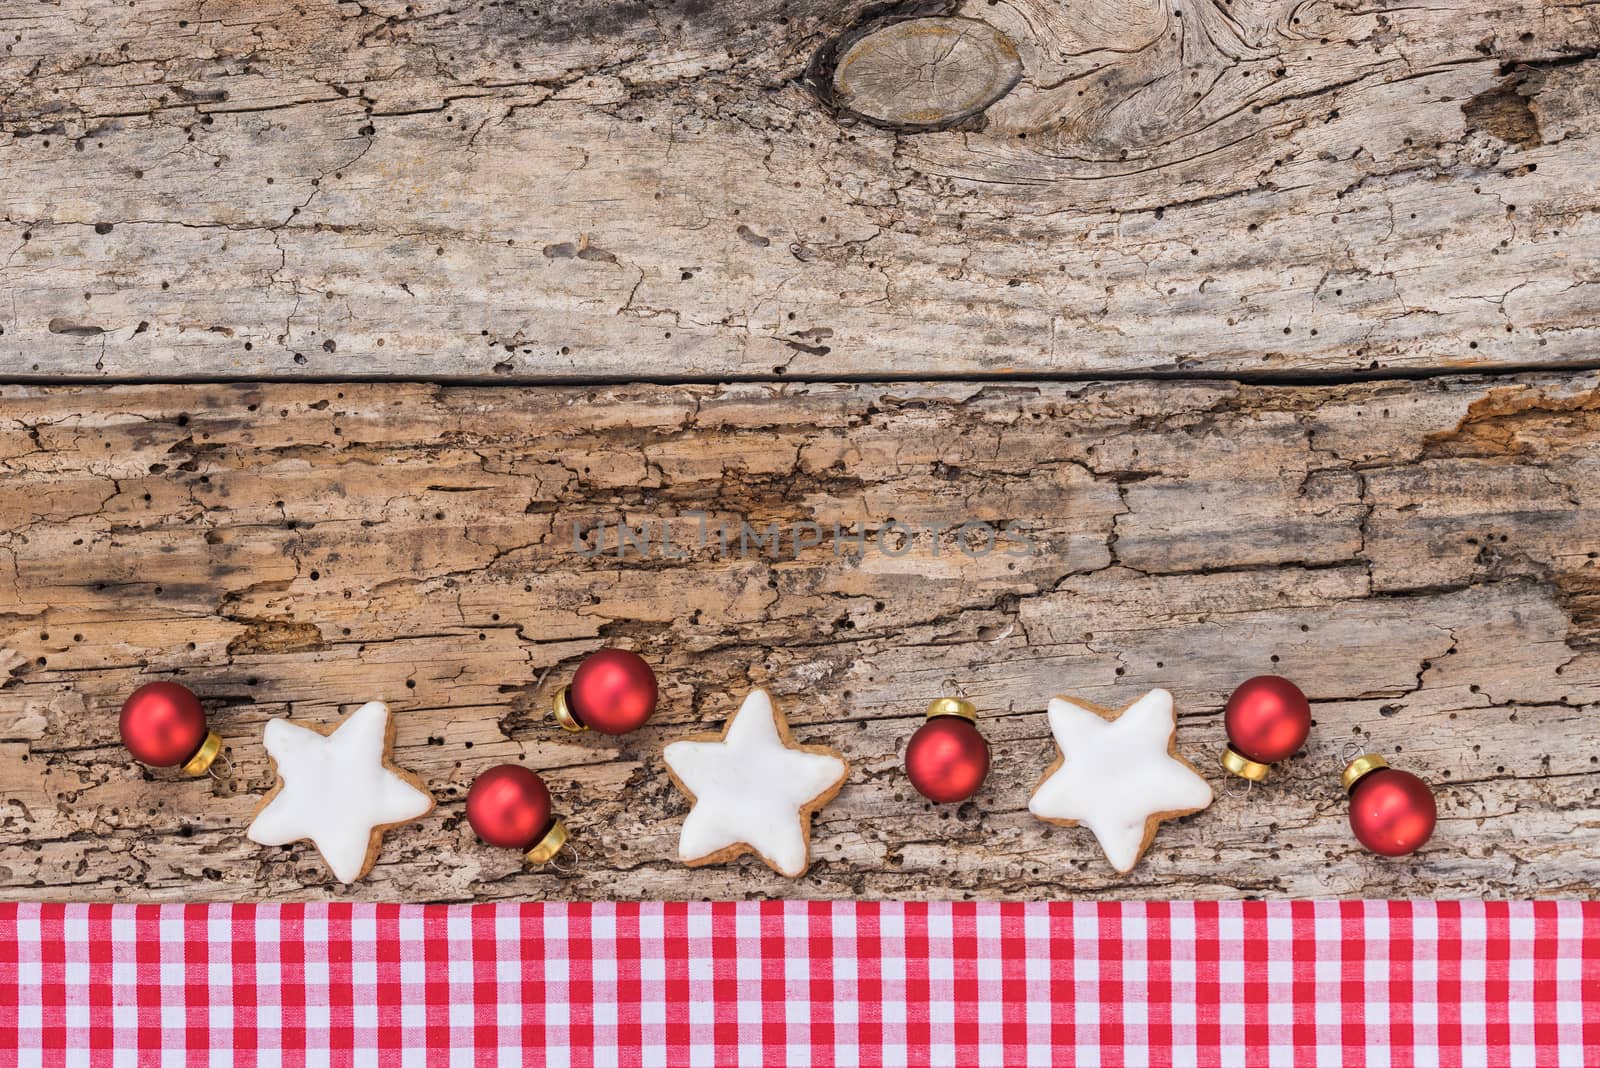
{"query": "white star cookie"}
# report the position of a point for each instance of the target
(1119, 774)
(337, 790)
(753, 789)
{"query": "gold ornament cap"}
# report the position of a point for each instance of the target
(203, 757)
(953, 706)
(1360, 767)
(1243, 766)
(548, 846)
(564, 714)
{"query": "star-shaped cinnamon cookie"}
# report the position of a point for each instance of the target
(753, 789)
(1119, 774)
(337, 789)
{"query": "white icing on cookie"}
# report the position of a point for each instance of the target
(336, 790)
(749, 788)
(1117, 774)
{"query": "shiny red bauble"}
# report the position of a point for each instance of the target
(163, 724)
(613, 692)
(509, 806)
(1392, 812)
(947, 758)
(1267, 719)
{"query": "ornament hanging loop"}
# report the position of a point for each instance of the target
(221, 768)
(567, 861)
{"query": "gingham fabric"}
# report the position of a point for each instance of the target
(1336, 983)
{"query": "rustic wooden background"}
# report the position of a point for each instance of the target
(1273, 326)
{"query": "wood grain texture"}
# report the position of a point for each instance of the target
(1419, 556)
(483, 189)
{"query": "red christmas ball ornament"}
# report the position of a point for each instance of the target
(1392, 812)
(1267, 720)
(164, 726)
(509, 806)
(947, 758)
(613, 692)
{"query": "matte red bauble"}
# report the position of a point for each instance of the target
(509, 806)
(613, 692)
(1392, 812)
(947, 758)
(1267, 720)
(164, 726)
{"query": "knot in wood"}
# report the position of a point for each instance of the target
(926, 73)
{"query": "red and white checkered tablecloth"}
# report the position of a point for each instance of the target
(1338, 983)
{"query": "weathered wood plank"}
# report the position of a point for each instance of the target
(481, 190)
(1420, 556)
